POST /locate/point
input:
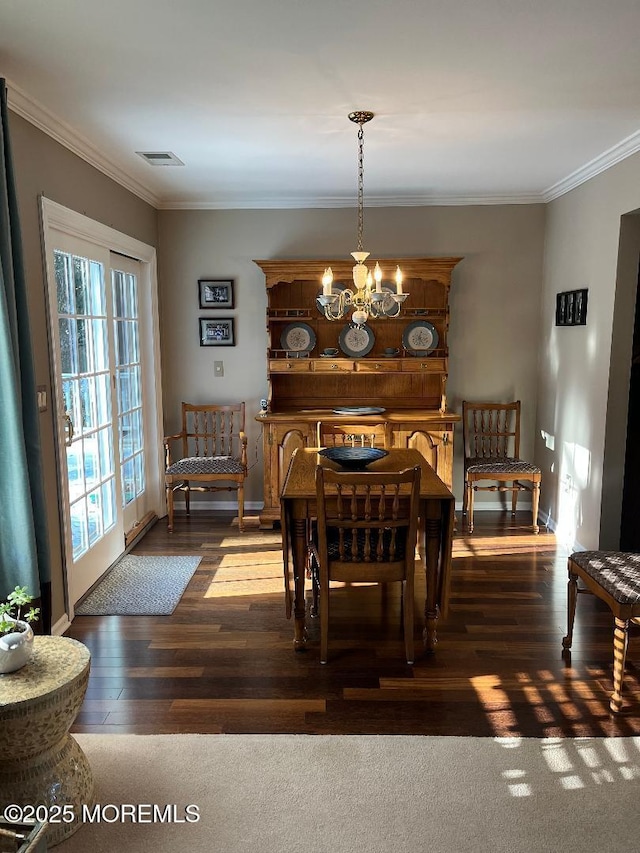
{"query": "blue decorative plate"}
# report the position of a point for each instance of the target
(356, 341)
(420, 338)
(298, 338)
(353, 458)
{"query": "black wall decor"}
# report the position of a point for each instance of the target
(571, 308)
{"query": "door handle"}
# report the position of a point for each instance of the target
(70, 432)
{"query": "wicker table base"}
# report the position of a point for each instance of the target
(40, 763)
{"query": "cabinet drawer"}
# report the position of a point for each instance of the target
(424, 365)
(385, 365)
(286, 365)
(333, 365)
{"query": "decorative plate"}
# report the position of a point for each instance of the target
(420, 338)
(298, 337)
(359, 410)
(335, 290)
(353, 458)
(356, 341)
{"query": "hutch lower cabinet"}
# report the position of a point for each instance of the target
(428, 432)
(314, 365)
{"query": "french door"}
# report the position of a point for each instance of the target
(107, 423)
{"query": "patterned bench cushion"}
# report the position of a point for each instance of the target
(618, 572)
(501, 464)
(206, 465)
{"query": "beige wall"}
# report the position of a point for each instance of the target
(495, 298)
(42, 166)
(581, 402)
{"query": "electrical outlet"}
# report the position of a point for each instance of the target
(218, 368)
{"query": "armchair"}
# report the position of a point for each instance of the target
(213, 448)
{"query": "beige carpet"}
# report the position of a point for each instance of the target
(305, 794)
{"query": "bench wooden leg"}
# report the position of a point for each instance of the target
(620, 641)
(572, 597)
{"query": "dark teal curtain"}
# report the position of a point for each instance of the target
(24, 551)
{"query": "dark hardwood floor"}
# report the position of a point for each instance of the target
(224, 661)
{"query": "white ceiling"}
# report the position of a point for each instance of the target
(475, 100)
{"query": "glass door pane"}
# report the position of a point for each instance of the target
(128, 372)
(82, 321)
(94, 536)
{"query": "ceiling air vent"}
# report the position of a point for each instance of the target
(160, 158)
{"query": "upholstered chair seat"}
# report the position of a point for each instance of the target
(508, 465)
(206, 465)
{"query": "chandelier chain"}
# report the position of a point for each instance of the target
(360, 186)
(368, 298)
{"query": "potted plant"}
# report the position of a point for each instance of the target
(16, 635)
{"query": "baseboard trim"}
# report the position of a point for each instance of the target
(552, 525)
(61, 626)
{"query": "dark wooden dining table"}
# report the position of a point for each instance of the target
(435, 533)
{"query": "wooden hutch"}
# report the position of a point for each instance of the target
(304, 390)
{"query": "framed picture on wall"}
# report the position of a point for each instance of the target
(215, 293)
(217, 333)
(571, 308)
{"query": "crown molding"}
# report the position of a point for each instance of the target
(328, 202)
(594, 167)
(35, 113)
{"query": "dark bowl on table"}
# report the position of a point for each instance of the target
(353, 458)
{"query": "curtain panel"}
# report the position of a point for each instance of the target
(24, 549)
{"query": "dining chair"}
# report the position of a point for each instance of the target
(353, 435)
(614, 577)
(491, 434)
(366, 532)
(213, 445)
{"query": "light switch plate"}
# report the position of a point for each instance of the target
(41, 391)
(218, 368)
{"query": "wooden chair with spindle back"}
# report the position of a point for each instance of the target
(491, 452)
(353, 435)
(214, 454)
(366, 533)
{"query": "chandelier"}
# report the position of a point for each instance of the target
(368, 298)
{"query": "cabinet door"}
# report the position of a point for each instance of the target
(280, 441)
(435, 444)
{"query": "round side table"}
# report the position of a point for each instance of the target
(40, 763)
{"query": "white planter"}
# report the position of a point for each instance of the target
(16, 648)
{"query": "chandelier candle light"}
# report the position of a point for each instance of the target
(366, 300)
